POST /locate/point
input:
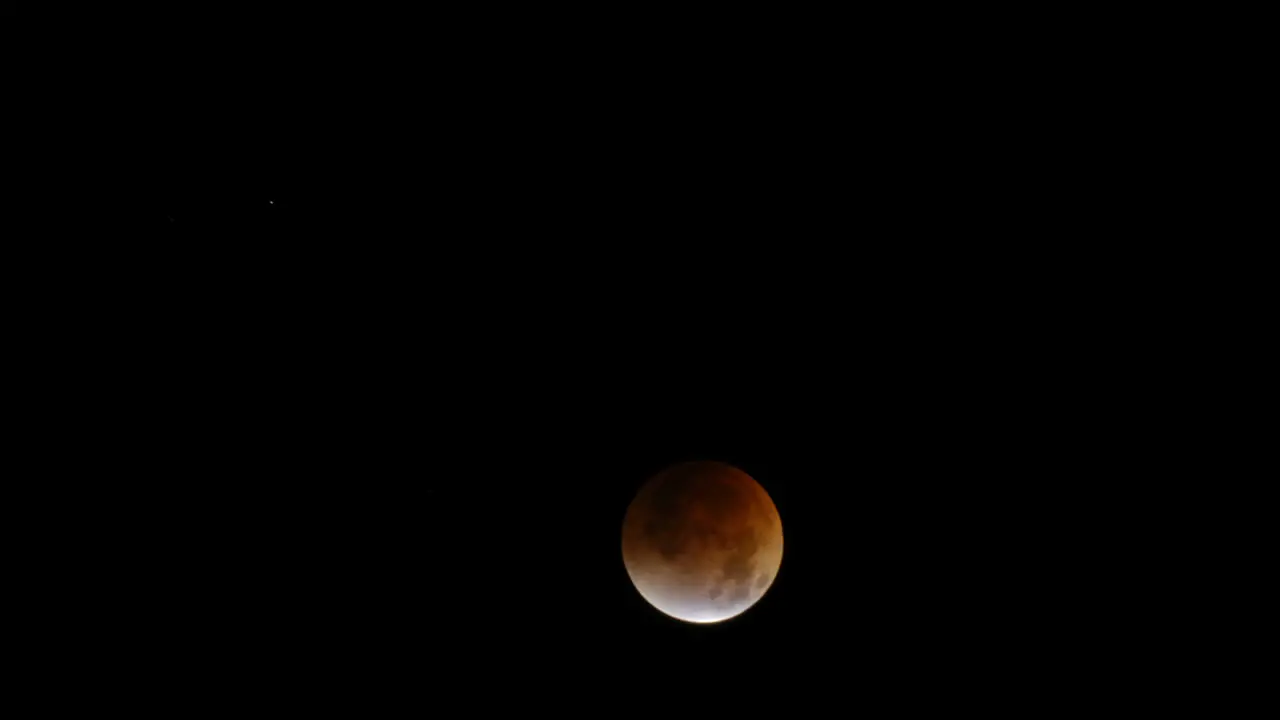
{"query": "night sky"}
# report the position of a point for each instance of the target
(415, 323)
(412, 445)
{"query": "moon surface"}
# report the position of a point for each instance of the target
(702, 541)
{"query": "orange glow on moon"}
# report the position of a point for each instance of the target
(702, 541)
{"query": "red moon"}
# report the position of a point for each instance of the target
(702, 541)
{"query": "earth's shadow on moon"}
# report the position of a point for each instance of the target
(702, 542)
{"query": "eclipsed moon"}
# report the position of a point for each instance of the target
(702, 541)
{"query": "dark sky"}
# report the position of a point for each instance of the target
(412, 449)
(420, 321)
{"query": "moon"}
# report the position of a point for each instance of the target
(702, 541)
